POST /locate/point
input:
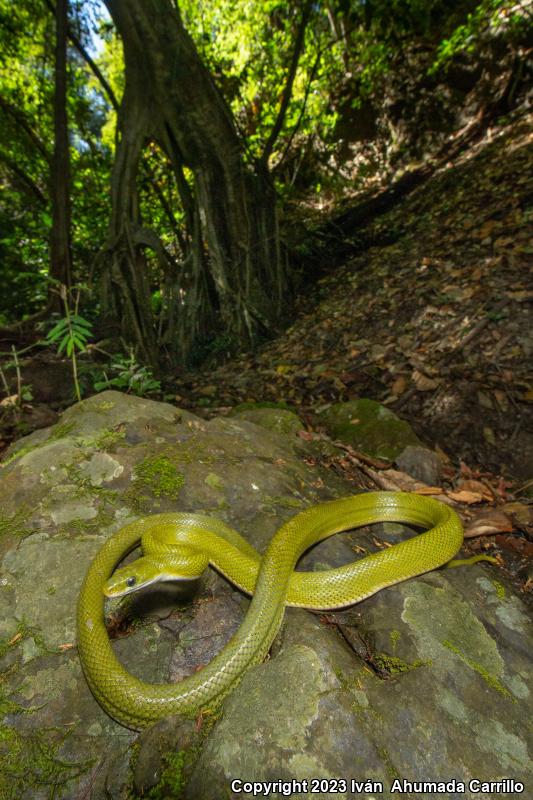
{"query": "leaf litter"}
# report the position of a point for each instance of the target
(435, 325)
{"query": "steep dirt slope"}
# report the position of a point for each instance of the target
(435, 325)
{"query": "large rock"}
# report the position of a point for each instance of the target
(425, 681)
(370, 427)
(422, 464)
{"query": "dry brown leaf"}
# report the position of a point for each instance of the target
(523, 514)
(521, 295)
(384, 480)
(422, 382)
(465, 497)
(477, 488)
(487, 228)
(399, 386)
(503, 241)
(487, 523)
(501, 399)
(515, 543)
(9, 401)
(395, 480)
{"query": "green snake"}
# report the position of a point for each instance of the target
(181, 545)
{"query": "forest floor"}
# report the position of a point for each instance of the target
(437, 325)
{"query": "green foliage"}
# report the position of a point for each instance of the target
(26, 132)
(129, 376)
(248, 47)
(71, 333)
(490, 17)
(349, 58)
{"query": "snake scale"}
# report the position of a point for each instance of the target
(181, 545)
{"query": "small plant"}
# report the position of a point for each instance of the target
(71, 333)
(23, 393)
(130, 376)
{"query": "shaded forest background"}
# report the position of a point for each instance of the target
(173, 176)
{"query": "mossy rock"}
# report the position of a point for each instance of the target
(274, 417)
(370, 427)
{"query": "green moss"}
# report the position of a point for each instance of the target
(500, 589)
(284, 501)
(59, 432)
(160, 475)
(177, 766)
(489, 679)
(341, 677)
(395, 666)
(214, 481)
(105, 440)
(15, 525)
(24, 631)
(86, 487)
(395, 637)
(369, 427)
(172, 781)
(104, 519)
(104, 405)
(387, 763)
(31, 761)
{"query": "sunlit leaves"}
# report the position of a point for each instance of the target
(27, 38)
(248, 46)
(490, 17)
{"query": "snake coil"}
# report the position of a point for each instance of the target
(271, 579)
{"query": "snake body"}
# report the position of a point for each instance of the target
(181, 545)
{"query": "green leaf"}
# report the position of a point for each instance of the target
(81, 321)
(58, 329)
(63, 344)
(78, 343)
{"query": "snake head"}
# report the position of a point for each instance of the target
(139, 574)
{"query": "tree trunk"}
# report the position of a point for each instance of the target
(231, 208)
(60, 252)
(126, 288)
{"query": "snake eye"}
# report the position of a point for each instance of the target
(131, 581)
